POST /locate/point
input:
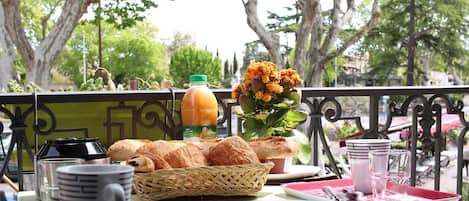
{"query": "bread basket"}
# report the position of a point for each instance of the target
(202, 181)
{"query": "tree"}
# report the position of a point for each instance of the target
(38, 56)
(131, 53)
(226, 70)
(7, 54)
(190, 60)
(180, 40)
(314, 43)
(227, 74)
(235, 64)
(441, 28)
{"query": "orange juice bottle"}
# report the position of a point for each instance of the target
(199, 111)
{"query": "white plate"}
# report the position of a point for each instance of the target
(296, 171)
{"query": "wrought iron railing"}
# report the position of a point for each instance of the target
(32, 116)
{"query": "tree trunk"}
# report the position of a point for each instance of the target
(303, 34)
(312, 61)
(8, 53)
(270, 40)
(39, 62)
(315, 69)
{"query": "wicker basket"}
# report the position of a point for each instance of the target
(202, 181)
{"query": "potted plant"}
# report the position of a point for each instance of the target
(269, 101)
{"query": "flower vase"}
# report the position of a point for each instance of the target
(281, 165)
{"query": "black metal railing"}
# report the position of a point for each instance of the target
(34, 116)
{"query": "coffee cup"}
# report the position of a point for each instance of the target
(46, 180)
(95, 182)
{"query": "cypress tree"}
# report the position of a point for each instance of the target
(235, 64)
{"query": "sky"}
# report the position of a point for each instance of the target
(213, 24)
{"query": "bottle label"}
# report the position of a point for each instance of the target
(200, 132)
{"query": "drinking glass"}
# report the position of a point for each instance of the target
(399, 168)
(378, 170)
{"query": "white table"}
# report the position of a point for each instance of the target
(267, 193)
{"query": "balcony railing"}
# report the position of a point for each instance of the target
(33, 116)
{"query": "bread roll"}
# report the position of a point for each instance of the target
(273, 147)
(122, 150)
(232, 151)
(205, 146)
(160, 147)
(186, 156)
(148, 162)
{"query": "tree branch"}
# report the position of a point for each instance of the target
(338, 23)
(46, 18)
(14, 27)
(334, 29)
(72, 11)
(8, 57)
(269, 39)
(358, 35)
(303, 34)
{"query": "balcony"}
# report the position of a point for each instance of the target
(32, 118)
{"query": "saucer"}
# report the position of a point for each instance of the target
(295, 172)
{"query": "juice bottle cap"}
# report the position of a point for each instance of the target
(198, 78)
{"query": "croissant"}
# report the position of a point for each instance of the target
(122, 150)
(148, 162)
(187, 156)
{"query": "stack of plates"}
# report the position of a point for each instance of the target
(359, 148)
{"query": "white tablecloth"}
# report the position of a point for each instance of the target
(268, 193)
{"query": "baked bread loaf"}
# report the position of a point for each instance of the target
(273, 147)
(148, 162)
(160, 147)
(122, 150)
(232, 151)
(186, 156)
(205, 146)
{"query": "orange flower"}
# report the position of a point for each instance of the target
(274, 87)
(259, 95)
(236, 91)
(267, 97)
(289, 78)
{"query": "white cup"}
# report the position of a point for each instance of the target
(97, 182)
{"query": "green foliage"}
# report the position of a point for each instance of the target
(36, 15)
(345, 130)
(186, 61)
(122, 13)
(127, 53)
(453, 134)
(269, 101)
(93, 85)
(14, 87)
(252, 53)
(180, 40)
(227, 75)
(330, 73)
(235, 64)
(465, 191)
(441, 28)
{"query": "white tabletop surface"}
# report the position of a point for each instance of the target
(267, 193)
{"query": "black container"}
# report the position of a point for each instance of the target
(87, 149)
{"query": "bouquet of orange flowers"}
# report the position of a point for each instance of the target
(269, 101)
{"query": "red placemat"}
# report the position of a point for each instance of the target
(313, 191)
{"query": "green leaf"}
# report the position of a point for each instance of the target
(276, 117)
(304, 154)
(247, 104)
(296, 116)
(295, 97)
